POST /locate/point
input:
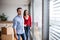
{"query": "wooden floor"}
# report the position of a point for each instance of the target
(37, 33)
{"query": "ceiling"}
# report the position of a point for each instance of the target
(15, 2)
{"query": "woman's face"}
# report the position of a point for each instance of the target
(27, 12)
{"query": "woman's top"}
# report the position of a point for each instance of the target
(27, 21)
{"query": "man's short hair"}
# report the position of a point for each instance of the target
(18, 8)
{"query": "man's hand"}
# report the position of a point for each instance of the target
(16, 36)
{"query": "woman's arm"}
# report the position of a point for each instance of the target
(30, 23)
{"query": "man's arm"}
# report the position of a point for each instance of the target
(14, 28)
(15, 35)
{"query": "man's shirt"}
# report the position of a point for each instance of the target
(18, 24)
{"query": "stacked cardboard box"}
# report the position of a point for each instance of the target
(7, 37)
(7, 33)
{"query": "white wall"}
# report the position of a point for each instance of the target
(0, 5)
(9, 8)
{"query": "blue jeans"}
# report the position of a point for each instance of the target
(22, 35)
(27, 32)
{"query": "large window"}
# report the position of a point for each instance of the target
(54, 16)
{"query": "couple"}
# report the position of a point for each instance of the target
(22, 25)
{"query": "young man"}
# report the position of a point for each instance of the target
(18, 25)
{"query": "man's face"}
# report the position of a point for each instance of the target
(19, 11)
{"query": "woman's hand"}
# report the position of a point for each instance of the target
(24, 25)
(30, 28)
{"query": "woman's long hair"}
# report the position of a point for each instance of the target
(24, 14)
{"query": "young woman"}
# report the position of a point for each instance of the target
(27, 24)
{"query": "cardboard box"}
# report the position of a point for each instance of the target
(7, 31)
(7, 37)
